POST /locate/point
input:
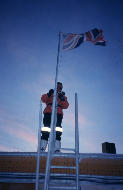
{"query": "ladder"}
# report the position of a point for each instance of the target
(39, 148)
(48, 183)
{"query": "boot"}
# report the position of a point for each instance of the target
(43, 145)
(57, 146)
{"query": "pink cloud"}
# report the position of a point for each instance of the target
(83, 120)
(69, 118)
(19, 133)
(7, 149)
(17, 129)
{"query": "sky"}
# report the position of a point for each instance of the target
(29, 32)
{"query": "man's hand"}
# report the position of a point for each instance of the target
(51, 91)
(63, 93)
(61, 97)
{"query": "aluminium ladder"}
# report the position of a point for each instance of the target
(47, 181)
(39, 148)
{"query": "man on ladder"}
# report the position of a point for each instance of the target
(62, 103)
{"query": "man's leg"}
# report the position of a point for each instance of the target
(58, 133)
(45, 131)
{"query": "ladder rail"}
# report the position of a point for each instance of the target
(77, 141)
(48, 163)
(38, 149)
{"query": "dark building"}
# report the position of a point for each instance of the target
(108, 148)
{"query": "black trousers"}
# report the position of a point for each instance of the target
(47, 122)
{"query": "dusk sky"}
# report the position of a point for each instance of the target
(28, 53)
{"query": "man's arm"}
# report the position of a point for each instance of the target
(63, 100)
(45, 97)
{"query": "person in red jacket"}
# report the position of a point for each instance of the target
(62, 103)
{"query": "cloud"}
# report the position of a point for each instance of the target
(17, 129)
(87, 145)
(7, 149)
(23, 135)
(40, 85)
(21, 50)
(69, 119)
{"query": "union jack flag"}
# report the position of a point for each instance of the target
(75, 40)
(96, 37)
(72, 40)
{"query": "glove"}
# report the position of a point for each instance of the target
(61, 97)
(63, 93)
(51, 91)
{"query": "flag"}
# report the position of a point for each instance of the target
(71, 40)
(96, 37)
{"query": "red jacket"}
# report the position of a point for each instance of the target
(48, 101)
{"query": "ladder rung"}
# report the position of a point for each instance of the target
(62, 188)
(69, 149)
(64, 167)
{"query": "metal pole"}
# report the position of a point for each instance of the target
(38, 150)
(54, 126)
(76, 141)
(47, 172)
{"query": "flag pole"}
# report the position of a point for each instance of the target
(47, 172)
